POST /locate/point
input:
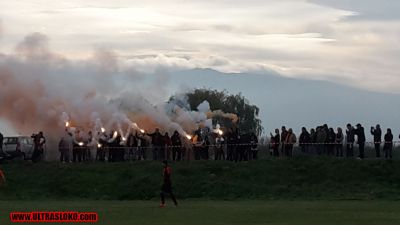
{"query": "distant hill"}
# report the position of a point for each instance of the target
(299, 102)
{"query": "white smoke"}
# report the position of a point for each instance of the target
(42, 90)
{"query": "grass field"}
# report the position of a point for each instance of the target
(293, 179)
(299, 191)
(191, 212)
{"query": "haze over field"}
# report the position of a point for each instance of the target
(342, 54)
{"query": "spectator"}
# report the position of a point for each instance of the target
(350, 140)
(132, 145)
(304, 140)
(77, 147)
(1, 142)
(219, 148)
(167, 146)
(331, 143)
(176, 146)
(231, 142)
(101, 149)
(156, 141)
(198, 144)
(377, 133)
(339, 142)
(253, 145)
(275, 141)
(326, 141)
(321, 136)
(39, 142)
(284, 134)
(142, 145)
(65, 147)
(360, 140)
(388, 146)
(313, 140)
(205, 148)
(289, 142)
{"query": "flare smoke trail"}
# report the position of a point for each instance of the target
(41, 90)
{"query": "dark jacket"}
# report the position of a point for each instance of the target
(388, 139)
(304, 138)
(360, 134)
(377, 133)
(350, 135)
(176, 140)
(156, 139)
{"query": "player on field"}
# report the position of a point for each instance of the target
(167, 185)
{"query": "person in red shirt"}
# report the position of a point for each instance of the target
(167, 185)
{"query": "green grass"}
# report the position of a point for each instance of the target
(223, 212)
(273, 179)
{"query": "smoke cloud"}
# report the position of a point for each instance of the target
(42, 90)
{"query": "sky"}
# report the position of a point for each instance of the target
(356, 43)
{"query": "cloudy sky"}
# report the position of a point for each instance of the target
(351, 42)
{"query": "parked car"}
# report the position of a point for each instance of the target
(18, 147)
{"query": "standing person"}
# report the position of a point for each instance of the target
(142, 145)
(339, 142)
(1, 142)
(118, 153)
(198, 144)
(167, 146)
(321, 137)
(102, 147)
(61, 149)
(156, 141)
(39, 142)
(254, 146)
(166, 187)
(360, 140)
(275, 141)
(231, 142)
(206, 148)
(326, 145)
(91, 147)
(65, 147)
(304, 140)
(284, 134)
(313, 140)
(331, 141)
(176, 146)
(289, 142)
(388, 146)
(377, 133)
(243, 147)
(219, 148)
(131, 144)
(77, 148)
(238, 150)
(350, 140)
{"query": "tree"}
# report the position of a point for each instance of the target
(228, 103)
